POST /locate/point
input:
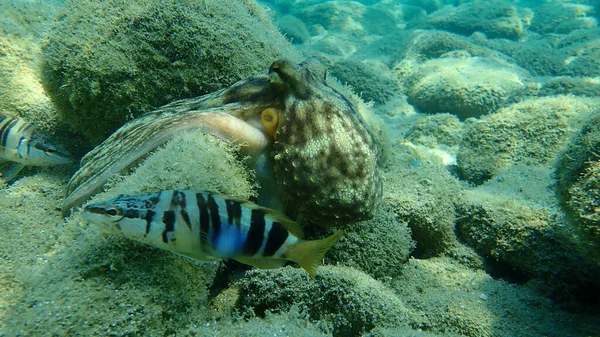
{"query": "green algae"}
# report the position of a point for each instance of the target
(108, 61)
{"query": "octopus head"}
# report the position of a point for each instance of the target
(325, 155)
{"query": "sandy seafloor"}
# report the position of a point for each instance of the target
(490, 220)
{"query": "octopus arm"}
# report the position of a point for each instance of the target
(135, 140)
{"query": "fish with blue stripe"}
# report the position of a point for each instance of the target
(206, 226)
(23, 145)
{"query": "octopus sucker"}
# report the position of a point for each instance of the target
(310, 146)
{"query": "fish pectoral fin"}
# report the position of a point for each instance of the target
(12, 171)
(198, 257)
(262, 263)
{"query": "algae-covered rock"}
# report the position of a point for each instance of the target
(530, 132)
(583, 57)
(421, 192)
(191, 160)
(566, 85)
(585, 202)
(466, 87)
(293, 28)
(422, 45)
(368, 81)
(108, 61)
(287, 324)
(449, 299)
(348, 17)
(534, 55)
(497, 19)
(429, 6)
(578, 180)
(108, 286)
(524, 240)
(21, 92)
(429, 212)
(378, 247)
(437, 130)
(579, 153)
(348, 299)
(559, 17)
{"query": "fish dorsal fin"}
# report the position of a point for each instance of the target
(290, 225)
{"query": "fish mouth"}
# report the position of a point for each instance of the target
(92, 214)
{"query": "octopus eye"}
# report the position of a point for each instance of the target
(274, 69)
(285, 69)
(270, 119)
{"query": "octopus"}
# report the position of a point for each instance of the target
(314, 149)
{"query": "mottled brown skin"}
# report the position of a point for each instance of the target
(326, 157)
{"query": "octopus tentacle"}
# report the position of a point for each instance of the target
(135, 141)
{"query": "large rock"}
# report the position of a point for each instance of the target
(466, 87)
(578, 173)
(109, 61)
(361, 246)
(497, 19)
(530, 132)
(349, 300)
(559, 17)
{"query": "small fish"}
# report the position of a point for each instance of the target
(22, 144)
(206, 226)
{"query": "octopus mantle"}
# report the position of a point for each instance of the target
(317, 148)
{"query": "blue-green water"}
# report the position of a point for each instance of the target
(487, 120)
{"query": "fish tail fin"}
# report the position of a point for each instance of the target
(308, 254)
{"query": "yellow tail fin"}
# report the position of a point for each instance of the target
(308, 254)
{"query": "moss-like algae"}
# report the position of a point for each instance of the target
(352, 301)
(523, 240)
(108, 61)
(361, 247)
(578, 181)
(531, 132)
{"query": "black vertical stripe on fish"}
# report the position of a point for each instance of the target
(3, 124)
(204, 222)
(5, 131)
(256, 232)
(186, 218)
(277, 236)
(148, 218)
(179, 200)
(2, 119)
(19, 144)
(169, 221)
(234, 212)
(215, 218)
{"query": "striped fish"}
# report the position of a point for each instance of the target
(206, 227)
(22, 144)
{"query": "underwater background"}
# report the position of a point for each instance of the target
(487, 114)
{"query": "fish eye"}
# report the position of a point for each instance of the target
(113, 211)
